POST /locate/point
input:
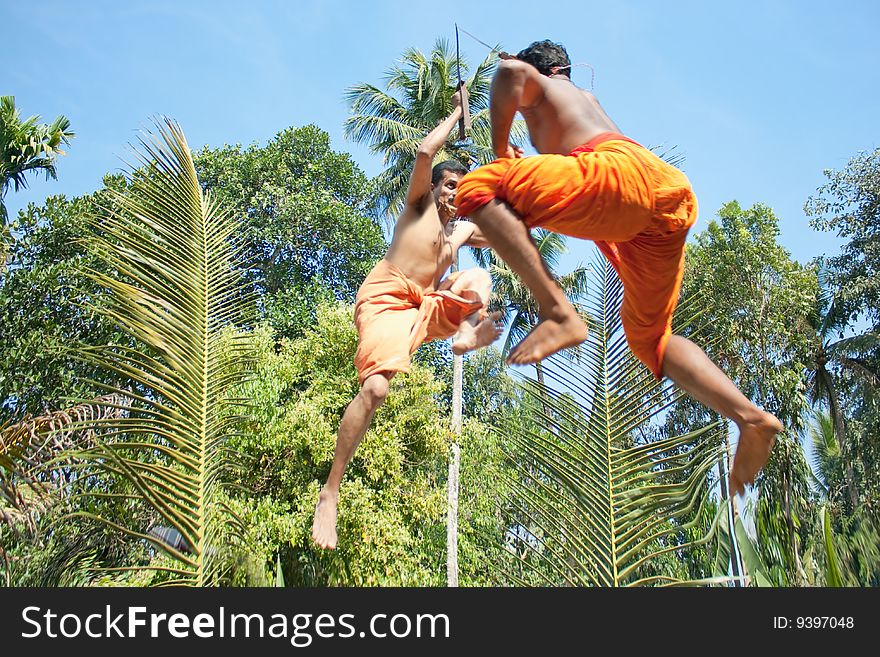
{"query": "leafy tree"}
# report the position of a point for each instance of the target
(393, 503)
(305, 213)
(849, 204)
(759, 302)
(43, 310)
(391, 507)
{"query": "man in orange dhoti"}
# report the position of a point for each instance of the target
(403, 303)
(591, 182)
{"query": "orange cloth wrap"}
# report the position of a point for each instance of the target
(636, 207)
(394, 315)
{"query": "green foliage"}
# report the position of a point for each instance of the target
(70, 554)
(27, 146)
(759, 302)
(595, 504)
(176, 295)
(417, 96)
(849, 204)
(785, 514)
(305, 215)
(847, 551)
(845, 369)
(42, 309)
(393, 500)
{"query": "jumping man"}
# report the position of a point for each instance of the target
(403, 303)
(592, 182)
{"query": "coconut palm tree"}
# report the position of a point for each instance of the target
(27, 146)
(833, 359)
(417, 96)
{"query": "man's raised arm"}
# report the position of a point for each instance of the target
(420, 179)
(515, 86)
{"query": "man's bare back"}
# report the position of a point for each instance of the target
(559, 115)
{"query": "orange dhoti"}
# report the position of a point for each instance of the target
(636, 207)
(394, 315)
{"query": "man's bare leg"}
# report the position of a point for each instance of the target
(354, 424)
(560, 325)
(472, 332)
(692, 370)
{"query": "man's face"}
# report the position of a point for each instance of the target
(444, 194)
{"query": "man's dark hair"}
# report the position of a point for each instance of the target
(452, 166)
(548, 57)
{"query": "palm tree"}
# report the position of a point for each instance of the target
(849, 541)
(417, 96)
(27, 146)
(32, 478)
(596, 503)
(830, 360)
(176, 293)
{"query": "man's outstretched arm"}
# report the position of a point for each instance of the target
(420, 179)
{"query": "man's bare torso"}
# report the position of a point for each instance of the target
(423, 245)
(564, 117)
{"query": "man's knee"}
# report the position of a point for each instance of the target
(476, 277)
(375, 390)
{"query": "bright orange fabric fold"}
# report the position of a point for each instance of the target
(636, 207)
(394, 315)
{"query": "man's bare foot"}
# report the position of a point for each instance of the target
(548, 337)
(755, 442)
(324, 525)
(473, 337)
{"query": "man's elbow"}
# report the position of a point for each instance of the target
(510, 69)
(425, 153)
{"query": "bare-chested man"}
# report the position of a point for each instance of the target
(403, 303)
(593, 183)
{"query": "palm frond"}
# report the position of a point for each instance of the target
(170, 257)
(596, 503)
(826, 449)
(669, 154)
(862, 344)
(34, 456)
(417, 96)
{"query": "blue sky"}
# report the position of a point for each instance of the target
(759, 97)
